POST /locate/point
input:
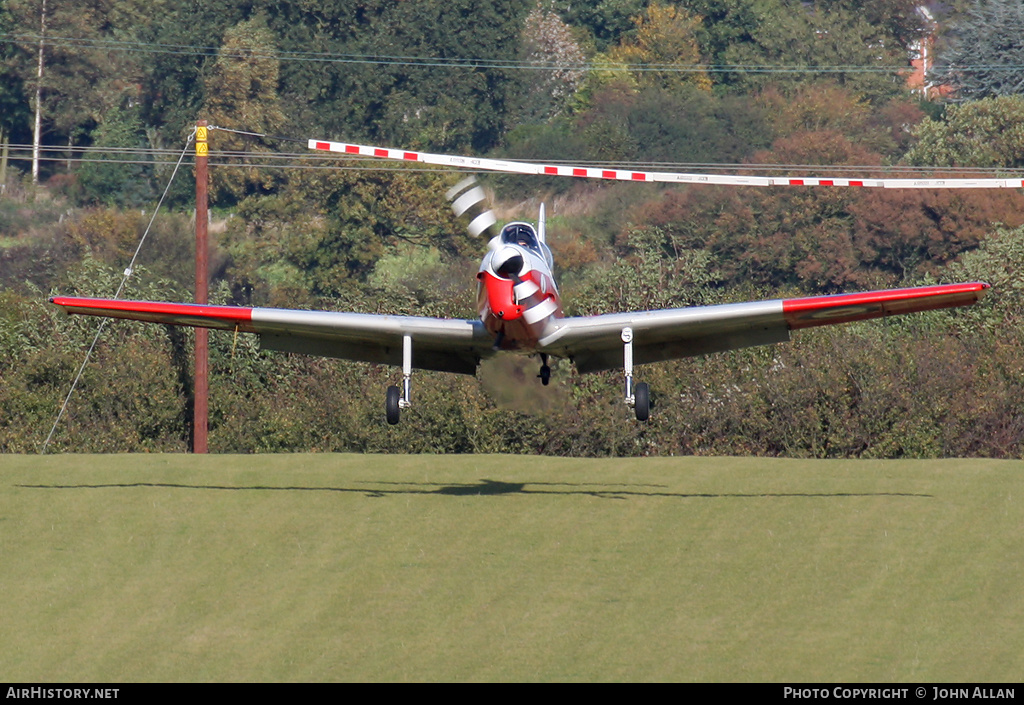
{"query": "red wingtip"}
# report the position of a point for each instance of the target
(843, 308)
(202, 315)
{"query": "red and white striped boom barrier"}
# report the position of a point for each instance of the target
(518, 167)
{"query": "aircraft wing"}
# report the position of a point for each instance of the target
(594, 342)
(447, 345)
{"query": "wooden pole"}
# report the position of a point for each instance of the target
(200, 410)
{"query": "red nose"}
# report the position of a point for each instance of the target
(501, 297)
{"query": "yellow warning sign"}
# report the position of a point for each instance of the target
(201, 134)
(202, 149)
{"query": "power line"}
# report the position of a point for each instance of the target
(448, 62)
(90, 154)
(103, 44)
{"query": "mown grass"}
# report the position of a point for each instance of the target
(346, 567)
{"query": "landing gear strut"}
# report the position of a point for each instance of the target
(638, 399)
(398, 400)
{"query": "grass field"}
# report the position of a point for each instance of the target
(346, 567)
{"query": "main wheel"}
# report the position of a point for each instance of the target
(642, 401)
(545, 375)
(392, 407)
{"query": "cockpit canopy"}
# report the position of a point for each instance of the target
(521, 234)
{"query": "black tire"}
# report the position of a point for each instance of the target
(394, 411)
(642, 401)
(545, 375)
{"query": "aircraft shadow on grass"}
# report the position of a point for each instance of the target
(486, 487)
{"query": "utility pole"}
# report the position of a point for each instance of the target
(200, 409)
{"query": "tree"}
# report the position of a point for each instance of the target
(115, 184)
(241, 94)
(823, 104)
(72, 82)
(663, 49)
(172, 87)
(15, 115)
(982, 133)
(606, 20)
(912, 233)
(999, 260)
(548, 44)
(650, 271)
(983, 55)
(682, 125)
(757, 42)
(898, 19)
(327, 231)
(830, 240)
(442, 107)
(661, 52)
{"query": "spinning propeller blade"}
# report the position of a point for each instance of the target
(467, 197)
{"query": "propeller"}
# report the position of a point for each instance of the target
(468, 198)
